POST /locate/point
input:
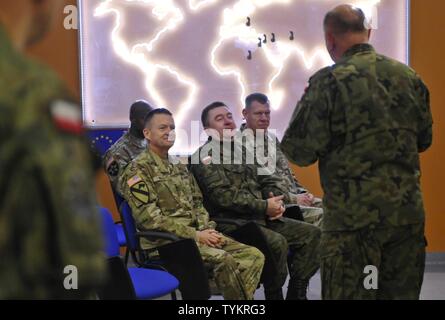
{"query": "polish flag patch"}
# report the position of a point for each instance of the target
(67, 117)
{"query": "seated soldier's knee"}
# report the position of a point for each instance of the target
(278, 243)
(315, 234)
(226, 260)
(257, 254)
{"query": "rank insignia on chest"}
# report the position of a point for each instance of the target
(140, 192)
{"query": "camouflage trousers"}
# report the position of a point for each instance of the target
(397, 253)
(236, 267)
(312, 215)
(295, 245)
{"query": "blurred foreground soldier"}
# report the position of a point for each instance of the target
(165, 197)
(365, 119)
(48, 218)
(129, 146)
(234, 189)
(257, 115)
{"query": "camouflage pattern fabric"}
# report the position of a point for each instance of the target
(48, 214)
(120, 154)
(233, 190)
(365, 120)
(345, 255)
(236, 191)
(312, 214)
(236, 267)
(165, 197)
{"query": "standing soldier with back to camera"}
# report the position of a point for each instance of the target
(48, 218)
(365, 119)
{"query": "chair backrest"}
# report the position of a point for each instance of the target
(129, 226)
(181, 258)
(111, 240)
(119, 284)
(118, 199)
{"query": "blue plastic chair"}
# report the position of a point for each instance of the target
(180, 257)
(127, 283)
(120, 233)
(101, 141)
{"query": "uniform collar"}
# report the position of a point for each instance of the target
(135, 141)
(161, 164)
(358, 48)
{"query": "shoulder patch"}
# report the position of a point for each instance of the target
(112, 167)
(66, 116)
(140, 192)
(133, 181)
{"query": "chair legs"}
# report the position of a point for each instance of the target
(127, 255)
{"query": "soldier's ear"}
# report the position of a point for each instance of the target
(147, 133)
(330, 44)
(244, 113)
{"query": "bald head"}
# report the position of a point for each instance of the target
(344, 26)
(345, 19)
(138, 111)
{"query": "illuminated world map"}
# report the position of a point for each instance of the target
(185, 54)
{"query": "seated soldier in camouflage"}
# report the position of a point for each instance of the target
(165, 197)
(235, 190)
(257, 115)
(129, 146)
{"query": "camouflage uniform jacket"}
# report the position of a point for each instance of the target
(233, 190)
(120, 154)
(282, 168)
(163, 197)
(48, 214)
(365, 119)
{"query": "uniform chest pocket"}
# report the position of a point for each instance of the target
(166, 194)
(235, 173)
(235, 168)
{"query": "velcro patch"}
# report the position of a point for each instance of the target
(140, 192)
(67, 116)
(133, 181)
(113, 167)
